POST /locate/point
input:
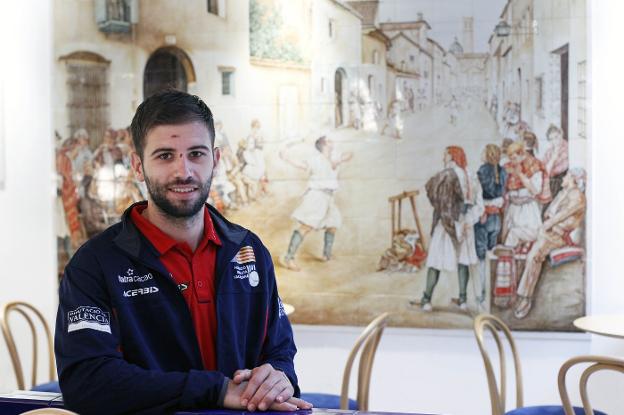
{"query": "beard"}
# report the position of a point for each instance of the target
(183, 208)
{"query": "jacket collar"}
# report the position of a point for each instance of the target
(134, 243)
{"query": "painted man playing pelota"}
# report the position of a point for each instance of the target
(317, 209)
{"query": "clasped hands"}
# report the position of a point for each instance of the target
(262, 388)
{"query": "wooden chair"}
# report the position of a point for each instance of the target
(30, 313)
(498, 389)
(597, 363)
(367, 342)
(49, 411)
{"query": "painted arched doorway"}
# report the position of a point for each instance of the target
(341, 97)
(87, 86)
(168, 67)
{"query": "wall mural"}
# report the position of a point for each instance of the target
(393, 155)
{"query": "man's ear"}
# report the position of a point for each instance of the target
(137, 166)
(216, 155)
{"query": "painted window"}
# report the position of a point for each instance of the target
(213, 7)
(227, 83)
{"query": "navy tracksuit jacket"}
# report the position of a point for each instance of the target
(125, 342)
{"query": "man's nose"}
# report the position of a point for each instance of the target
(183, 167)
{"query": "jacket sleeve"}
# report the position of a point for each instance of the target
(279, 345)
(93, 375)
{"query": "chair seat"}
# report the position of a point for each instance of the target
(47, 387)
(548, 410)
(327, 400)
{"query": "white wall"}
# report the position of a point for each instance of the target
(415, 370)
(27, 242)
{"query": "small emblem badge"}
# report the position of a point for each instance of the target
(254, 278)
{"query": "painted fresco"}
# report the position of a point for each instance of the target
(412, 156)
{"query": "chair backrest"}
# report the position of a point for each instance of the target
(49, 411)
(30, 313)
(368, 342)
(498, 389)
(597, 363)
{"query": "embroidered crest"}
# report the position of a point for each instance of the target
(244, 256)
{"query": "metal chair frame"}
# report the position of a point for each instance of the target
(597, 363)
(368, 341)
(27, 311)
(492, 323)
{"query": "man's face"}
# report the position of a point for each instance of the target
(177, 166)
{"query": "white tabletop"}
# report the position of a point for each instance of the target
(606, 325)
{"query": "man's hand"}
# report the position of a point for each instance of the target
(267, 388)
(233, 399)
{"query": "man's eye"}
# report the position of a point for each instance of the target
(195, 154)
(165, 156)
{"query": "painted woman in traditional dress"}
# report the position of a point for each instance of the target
(523, 213)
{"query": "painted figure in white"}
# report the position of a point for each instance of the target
(81, 154)
(457, 201)
(355, 111)
(454, 110)
(511, 117)
(523, 215)
(394, 125)
(221, 181)
(317, 209)
(254, 168)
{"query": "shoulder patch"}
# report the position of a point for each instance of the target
(87, 317)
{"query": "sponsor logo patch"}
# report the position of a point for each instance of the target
(140, 291)
(247, 272)
(135, 278)
(86, 317)
(244, 255)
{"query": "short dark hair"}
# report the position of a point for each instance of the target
(168, 107)
(320, 143)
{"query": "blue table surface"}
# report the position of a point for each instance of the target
(20, 401)
(315, 411)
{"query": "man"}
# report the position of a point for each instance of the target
(562, 222)
(81, 155)
(457, 204)
(556, 159)
(492, 178)
(174, 307)
(317, 209)
(511, 117)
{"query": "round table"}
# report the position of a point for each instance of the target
(606, 325)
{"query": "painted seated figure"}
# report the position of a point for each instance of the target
(562, 222)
